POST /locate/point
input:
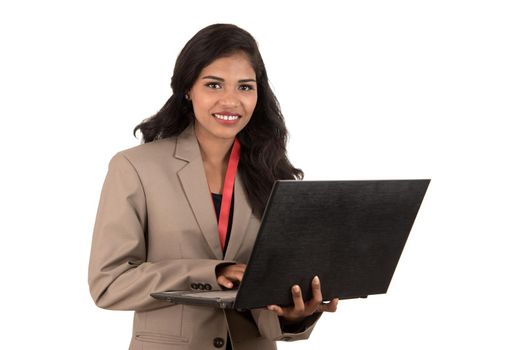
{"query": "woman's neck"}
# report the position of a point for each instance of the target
(215, 151)
(215, 155)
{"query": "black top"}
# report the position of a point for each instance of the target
(217, 201)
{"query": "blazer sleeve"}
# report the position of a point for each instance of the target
(120, 277)
(269, 326)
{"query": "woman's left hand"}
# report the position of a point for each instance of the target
(301, 309)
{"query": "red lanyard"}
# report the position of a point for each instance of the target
(227, 193)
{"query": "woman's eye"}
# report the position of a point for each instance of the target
(213, 85)
(246, 87)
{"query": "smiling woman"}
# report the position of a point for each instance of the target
(224, 97)
(175, 214)
(263, 137)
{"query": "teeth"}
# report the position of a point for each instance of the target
(226, 117)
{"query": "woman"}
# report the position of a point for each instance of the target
(173, 214)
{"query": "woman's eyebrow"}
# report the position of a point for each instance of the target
(212, 77)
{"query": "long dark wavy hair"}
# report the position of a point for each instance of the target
(263, 158)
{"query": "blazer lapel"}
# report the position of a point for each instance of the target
(196, 189)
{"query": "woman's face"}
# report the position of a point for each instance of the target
(224, 97)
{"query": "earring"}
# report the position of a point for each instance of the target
(187, 97)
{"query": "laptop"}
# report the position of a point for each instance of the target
(349, 233)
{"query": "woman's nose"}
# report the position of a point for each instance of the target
(229, 99)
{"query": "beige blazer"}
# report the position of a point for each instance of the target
(156, 230)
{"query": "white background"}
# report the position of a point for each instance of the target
(369, 89)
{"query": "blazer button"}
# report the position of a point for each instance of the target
(218, 342)
(207, 286)
(194, 285)
(201, 286)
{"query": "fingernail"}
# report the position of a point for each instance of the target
(316, 280)
(296, 289)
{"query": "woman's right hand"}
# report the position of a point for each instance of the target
(230, 275)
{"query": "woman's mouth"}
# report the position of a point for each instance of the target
(226, 117)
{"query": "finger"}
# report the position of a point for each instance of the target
(328, 307)
(317, 291)
(276, 309)
(331, 306)
(236, 276)
(240, 272)
(315, 304)
(238, 268)
(232, 269)
(224, 282)
(235, 272)
(298, 301)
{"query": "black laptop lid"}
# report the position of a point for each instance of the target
(349, 233)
